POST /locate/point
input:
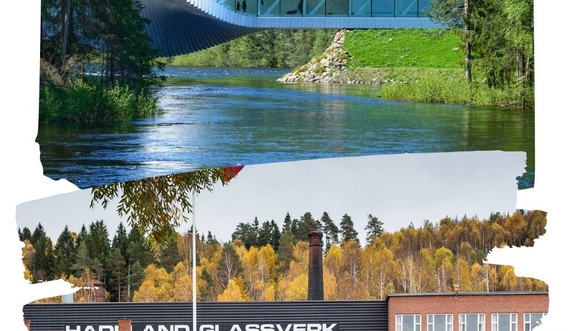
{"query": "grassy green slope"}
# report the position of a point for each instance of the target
(414, 48)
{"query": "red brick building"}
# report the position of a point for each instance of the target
(486, 311)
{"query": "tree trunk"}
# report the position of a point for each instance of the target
(65, 17)
(468, 47)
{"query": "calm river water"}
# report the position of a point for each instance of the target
(230, 116)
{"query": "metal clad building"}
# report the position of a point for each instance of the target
(349, 315)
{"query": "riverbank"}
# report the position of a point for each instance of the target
(407, 65)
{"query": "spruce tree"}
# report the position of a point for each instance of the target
(330, 229)
(374, 228)
(348, 232)
(64, 253)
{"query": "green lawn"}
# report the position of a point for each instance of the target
(414, 48)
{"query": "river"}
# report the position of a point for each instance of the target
(220, 117)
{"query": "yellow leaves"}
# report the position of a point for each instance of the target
(334, 260)
(161, 286)
(297, 288)
(329, 285)
(234, 292)
(182, 283)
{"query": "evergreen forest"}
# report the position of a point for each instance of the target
(267, 262)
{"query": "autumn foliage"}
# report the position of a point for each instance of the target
(429, 258)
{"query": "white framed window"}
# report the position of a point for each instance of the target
(531, 320)
(472, 322)
(408, 322)
(439, 322)
(504, 322)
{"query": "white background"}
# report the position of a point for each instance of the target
(560, 181)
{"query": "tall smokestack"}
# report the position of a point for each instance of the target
(315, 266)
(99, 292)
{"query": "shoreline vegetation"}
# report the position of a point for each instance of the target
(96, 63)
(409, 65)
(484, 58)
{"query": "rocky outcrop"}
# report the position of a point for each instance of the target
(331, 67)
(327, 68)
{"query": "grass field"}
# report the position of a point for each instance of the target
(414, 48)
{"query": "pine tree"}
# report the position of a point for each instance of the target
(118, 271)
(43, 258)
(64, 253)
(331, 230)
(374, 228)
(121, 241)
(25, 234)
(348, 232)
(265, 234)
(98, 244)
(275, 235)
(169, 255)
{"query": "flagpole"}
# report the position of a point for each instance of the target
(194, 261)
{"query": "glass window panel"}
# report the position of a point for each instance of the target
(291, 7)
(360, 8)
(383, 8)
(440, 322)
(406, 8)
(408, 323)
(424, 5)
(314, 8)
(532, 320)
(269, 7)
(337, 7)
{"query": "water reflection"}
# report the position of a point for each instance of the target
(257, 120)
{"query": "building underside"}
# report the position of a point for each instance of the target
(183, 26)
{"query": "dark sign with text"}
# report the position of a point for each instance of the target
(142, 326)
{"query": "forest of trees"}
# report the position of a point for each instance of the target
(274, 48)
(108, 36)
(264, 262)
(498, 41)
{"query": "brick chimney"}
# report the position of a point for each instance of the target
(125, 325)
(315, 266)
(99, 292)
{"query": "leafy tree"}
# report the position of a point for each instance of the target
(182, 283)
(156, 205)
(228, 266)
(156, 287)
(348, 232)
(456, 14)
(374, 228)
(234, 292)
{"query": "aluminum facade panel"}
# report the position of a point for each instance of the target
(349, 315)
